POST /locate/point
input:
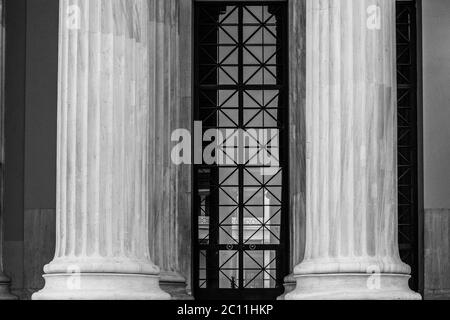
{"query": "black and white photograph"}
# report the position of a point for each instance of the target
(224, 158)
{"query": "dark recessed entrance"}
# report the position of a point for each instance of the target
(408, 191)
(241, 203)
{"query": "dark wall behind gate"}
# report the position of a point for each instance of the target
(31, 109)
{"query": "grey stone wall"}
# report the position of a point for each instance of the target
(436, 144)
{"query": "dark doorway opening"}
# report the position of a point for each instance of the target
(408, 170)
(241, 203)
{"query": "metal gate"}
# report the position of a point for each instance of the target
(408, 137)
(241, 202)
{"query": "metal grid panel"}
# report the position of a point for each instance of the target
(241, 83)
(407, 135)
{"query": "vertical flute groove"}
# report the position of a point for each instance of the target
(165, 105)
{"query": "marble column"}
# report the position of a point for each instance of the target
(168, 222)
(4, 281)
(102, 244)
(351, 131)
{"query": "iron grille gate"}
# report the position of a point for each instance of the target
(408, 136)
(240, 207)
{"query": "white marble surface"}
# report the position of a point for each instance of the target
(103, 154)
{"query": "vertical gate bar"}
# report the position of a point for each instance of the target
(241, 126)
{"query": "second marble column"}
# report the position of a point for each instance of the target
(167, 221)
(351, 128)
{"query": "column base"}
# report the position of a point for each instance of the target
(175, 285)
(289, 286)
(5, 293)
(101, 286)
(353, 287)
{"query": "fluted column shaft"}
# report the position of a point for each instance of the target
(351, 227)
(103, 154)
(165, 106)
